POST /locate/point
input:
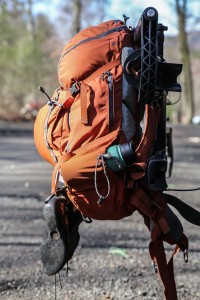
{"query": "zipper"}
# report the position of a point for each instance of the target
(109, 79)
(101, 35)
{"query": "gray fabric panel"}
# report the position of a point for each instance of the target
(128, 123)
(176, 228)
(130, 99)
(129, 93)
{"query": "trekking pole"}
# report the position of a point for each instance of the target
(146, 69)
(146, 36)
(161, 129)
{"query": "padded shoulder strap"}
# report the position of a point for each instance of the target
(145, 145)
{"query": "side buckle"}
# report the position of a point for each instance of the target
(75, 89)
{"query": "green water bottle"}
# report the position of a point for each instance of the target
(120, 156)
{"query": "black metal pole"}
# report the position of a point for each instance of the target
(161, 130)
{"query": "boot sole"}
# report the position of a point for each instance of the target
(54, 250)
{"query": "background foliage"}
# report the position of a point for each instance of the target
(31, 43)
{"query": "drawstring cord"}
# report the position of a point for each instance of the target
(100, 161)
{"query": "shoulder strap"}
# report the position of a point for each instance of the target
(189, 213)
(152, 206)
(166, 270)
(151, 121)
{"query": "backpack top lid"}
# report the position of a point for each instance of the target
(90, 49)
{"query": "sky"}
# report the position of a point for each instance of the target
(117, 8)
(133, 9)
(165, 13)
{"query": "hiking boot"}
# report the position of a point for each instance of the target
(74, 220)
(62, 236)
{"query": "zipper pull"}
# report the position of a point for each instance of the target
(42, 90)
(50, 101)
(105, 75)
(125, 18)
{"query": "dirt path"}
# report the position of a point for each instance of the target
(112, 259)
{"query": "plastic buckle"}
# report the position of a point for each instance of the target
(155, 172)
(75, 88)
(86, 219)
(155, 266)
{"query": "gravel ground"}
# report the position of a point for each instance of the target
(112, 260)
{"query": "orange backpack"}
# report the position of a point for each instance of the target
(93, 109)
(84, 118)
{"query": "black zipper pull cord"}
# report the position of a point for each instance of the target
(42, 90)
(125, 18)
(50, 101)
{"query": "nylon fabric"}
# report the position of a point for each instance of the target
(166, 272)
(78, 174)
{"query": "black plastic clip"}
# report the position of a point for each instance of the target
(155, 266)
(86, 219)
(125, 18)
(100, 201)
(155, 172)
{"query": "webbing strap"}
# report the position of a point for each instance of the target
(83, 97)
(166, 270)
(145, 145)
(55, 177)
(153, 207)
(189, 213)
(64, 96)
(84, 87)
(137, 171)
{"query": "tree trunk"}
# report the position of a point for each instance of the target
(77, 16)
(31, 21)
(187, 105)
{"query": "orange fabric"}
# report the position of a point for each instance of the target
(145, 145)
(92, 55)
(83, 99)
(65, 99)
(56, 170)
(166, 270)
(78, 173)
(85, 63)
(84, 87)
(110, 65)
(85, 121)
(39, 135)
(97, 111)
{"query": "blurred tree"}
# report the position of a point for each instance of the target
(78, 14)
(27, 55)
(77, 8)
(187, 103)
